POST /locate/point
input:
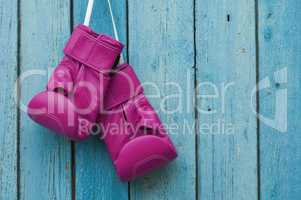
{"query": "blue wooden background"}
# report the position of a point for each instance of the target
(189, 42)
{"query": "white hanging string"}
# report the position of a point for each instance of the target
(121, 60)
(113, 21)
(89, 12)
(88, 17)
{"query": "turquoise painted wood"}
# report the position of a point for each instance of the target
(280, 62)
(208, 55)
(8, 116)
(226, 76)
(95, 175)
(161, 50)
(45, 167)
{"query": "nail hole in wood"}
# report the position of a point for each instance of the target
(228, 18)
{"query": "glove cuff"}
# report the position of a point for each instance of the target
(94, 50)
(124, 85)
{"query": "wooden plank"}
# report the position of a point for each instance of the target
(161, 50)
(44, 157)
(95, 175)
(280, 139)
(8, 116)
(226, 65)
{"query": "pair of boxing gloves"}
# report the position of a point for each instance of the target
(89, 93)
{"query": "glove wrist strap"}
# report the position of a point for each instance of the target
(96, 51)
(88, 17)
(124, 86)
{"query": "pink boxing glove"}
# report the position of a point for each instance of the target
(132, 131)
(75, 92)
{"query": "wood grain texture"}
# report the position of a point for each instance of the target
(226, 76)
(280, 62)
(161, 50)
(45, 168)
(8, 116)
(211, 60)
(95, 174)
